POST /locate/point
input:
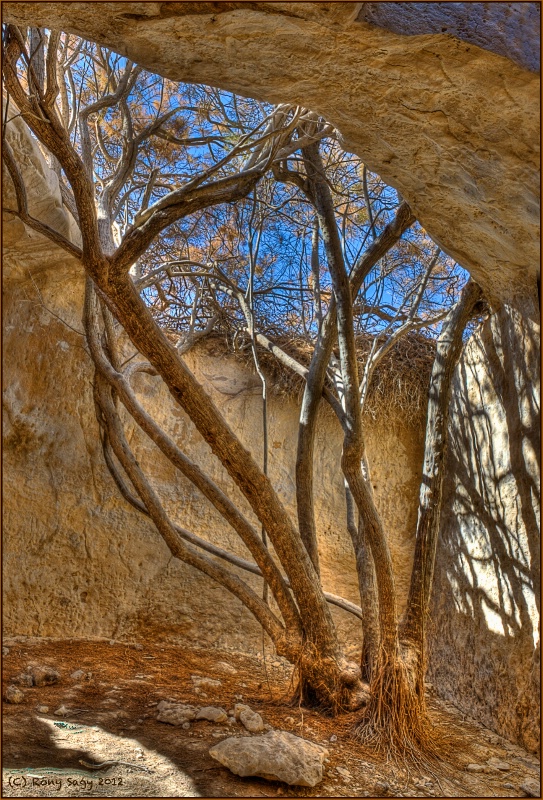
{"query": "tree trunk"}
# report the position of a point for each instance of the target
(449, 347)
(367, 587)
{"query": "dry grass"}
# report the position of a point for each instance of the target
(399, 385)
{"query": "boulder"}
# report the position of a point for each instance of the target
(43, 675)
(275, 756)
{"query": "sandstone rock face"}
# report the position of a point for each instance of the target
(508, 29)
(276, 756)
(486, 651)
(453, 126)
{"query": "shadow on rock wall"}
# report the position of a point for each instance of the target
(486, 593)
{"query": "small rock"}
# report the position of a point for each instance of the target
(5, 651)
(201, 682)
(112, 641)
(13, 695)
(290, 721)
(175, 713)
(382, 787)
(61, 711)
(276, 664)
(42, 709)
(509, 786)
(474, 768)
(212, 714)
(231, 720)
(77, 675)
(238, 697)
(238, 708)
(344, 773)
(43, 675)
(251, 720)
(504, 766)
(186, 726)
(274, 756)
(531, 787)
(23, 679)
(225, 668)
(138, 646)
(218, 734)
(139, 722)
(333, 738)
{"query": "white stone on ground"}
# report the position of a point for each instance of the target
(213, 714)
(175, 713)
(275, 756)
(251, 720)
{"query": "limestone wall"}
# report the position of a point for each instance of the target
(485, 647)
(80, 562)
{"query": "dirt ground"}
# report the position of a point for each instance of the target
(111, 715)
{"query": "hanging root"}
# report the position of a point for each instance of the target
(395, 722)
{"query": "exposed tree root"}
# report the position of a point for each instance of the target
(328, 685)
(396, 723)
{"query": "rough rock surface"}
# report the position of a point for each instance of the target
(212, 714)
(175, 713)
(251, 720)
(13, 694)
(43, 675)
(454, 127)
(486, 654)
(531, 788)
(508, 29)
(276, 756)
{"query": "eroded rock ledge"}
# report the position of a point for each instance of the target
(453, 126)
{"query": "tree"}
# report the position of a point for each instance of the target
(143, 164)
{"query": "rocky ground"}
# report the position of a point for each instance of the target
(76, 701)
